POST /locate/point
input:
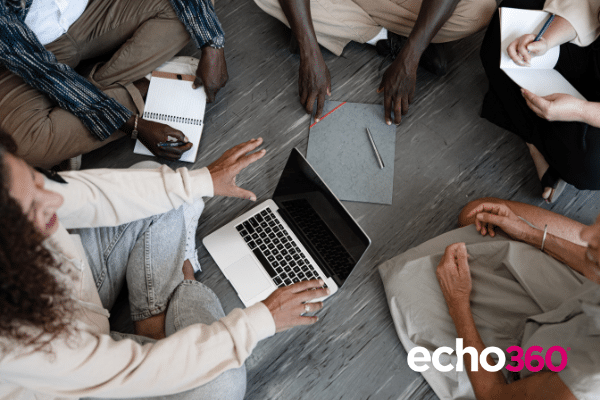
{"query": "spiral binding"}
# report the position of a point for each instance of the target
(172, 118)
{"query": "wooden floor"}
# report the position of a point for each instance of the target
(446, 155)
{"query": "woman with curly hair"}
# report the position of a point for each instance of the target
(126, 227)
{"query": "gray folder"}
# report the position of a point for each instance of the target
(340, 151)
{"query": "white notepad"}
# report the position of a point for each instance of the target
(172, 101)
(541, 78)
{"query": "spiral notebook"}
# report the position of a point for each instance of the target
(172, 101)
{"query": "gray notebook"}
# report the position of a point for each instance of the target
(340, 151)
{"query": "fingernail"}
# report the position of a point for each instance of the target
(388, 122)
(194, 86)
(327, 291)
(317, 120)
(263, 151)
(253, 198)
(321, 282)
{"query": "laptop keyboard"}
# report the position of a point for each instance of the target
(275, 249)
(317, 232)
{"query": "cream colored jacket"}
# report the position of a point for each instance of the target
(582, 14)
(91, 363)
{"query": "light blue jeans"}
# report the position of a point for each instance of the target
(147, 256)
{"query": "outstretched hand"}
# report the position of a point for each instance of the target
(523, 49)
(555, 107)
(454, 275)
(225, 169)
(289, 304)
(488, 216)
(314, 83)
(398, 87)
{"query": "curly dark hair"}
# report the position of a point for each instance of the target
(35, 307)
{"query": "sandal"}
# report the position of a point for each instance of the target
(552, 180)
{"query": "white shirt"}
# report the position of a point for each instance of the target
(50, 19)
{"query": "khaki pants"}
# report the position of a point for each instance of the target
(338, 22)
(140, 34)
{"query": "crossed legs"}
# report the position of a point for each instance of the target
(140, 35)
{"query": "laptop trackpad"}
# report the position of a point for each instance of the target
(247, 277)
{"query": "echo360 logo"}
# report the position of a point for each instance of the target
(533, 362)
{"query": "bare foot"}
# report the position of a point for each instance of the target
(188, 271)
(541, 166)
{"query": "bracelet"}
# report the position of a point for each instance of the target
(544, 237)
(134, 133)
(131, 132)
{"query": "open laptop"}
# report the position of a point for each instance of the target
(302, 233)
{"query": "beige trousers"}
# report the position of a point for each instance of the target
(140, 34)
(337, 22)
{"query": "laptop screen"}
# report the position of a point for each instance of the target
(320, 221)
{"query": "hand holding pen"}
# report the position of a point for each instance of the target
(523, 49)
(152, 134)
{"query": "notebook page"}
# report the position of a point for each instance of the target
(542, 82)
(540, 78)
(173, 102)
(515, 23)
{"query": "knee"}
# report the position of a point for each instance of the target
(464, 219)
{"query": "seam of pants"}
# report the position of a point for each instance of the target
(176, 319)
(107, 253)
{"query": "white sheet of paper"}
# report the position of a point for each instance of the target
(170, 101)
(540, 78)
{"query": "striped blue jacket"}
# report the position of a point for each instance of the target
(23, 54)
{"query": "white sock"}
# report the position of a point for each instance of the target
(382, 35)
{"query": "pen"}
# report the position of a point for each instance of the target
(544, 28)
(171, 144)
(379, 160)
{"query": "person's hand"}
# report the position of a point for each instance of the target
(289, 304)
(555, 107)
(488, 216)
(225, 169)
(521, 50)
(454, 275)
(211, 72)
(398, 87)
(314, 83)
(152, 133)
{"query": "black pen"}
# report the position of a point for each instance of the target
(171, 144)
